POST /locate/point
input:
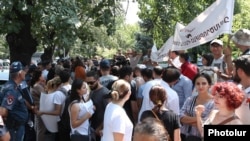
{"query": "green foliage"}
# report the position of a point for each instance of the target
(159, 18)
(56, 23)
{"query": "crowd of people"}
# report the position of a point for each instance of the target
(101, 100)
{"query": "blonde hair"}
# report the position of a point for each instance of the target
(53, 83)
(120, 88)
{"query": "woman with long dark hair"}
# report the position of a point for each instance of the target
(80, 110)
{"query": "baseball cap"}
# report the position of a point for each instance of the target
(16, 67)
(105, 63)
(217, 41)
(242, 37)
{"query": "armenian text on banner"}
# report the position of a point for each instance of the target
(212, 22)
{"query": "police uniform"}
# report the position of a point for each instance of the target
(14, 102)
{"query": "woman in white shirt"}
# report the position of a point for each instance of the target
(47, 109)
(117, 125)
(80, 110)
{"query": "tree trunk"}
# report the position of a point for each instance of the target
(22, 45)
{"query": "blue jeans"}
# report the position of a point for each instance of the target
(17, 134)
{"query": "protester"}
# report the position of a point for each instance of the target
(219, 64)
(79, 69)
(106, 77)
(242, 76)
(147, 76)
(242, 40)
(130, 106)
(80, 110)
(160, 78)
(62, 96)
(45, 67)
(137, 77)
(187, 68)
(48, 109)
(169, 119)
(150, 129)
(207, 59)
(206, 67)
(174, 59)
(97, 94)
(188, 118)
(117, 125)
(227, 97)
(178, 82)
(37, 85)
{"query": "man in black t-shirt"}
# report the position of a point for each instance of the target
(97, 94)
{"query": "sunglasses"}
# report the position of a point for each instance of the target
(91, 82)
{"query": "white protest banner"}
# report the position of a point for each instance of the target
(212, 22)
(153, 55)
(162, 54)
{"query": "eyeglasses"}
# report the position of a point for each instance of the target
(91, 82)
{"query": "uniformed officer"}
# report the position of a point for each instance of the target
(13, 103)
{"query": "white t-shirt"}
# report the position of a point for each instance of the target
(45, 74)
(221, 65)
(47, 105)
(67, 87)
(116, 120)
(177, 63)
(59, 99)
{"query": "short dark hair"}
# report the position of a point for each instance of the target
(171, 74)
(147, 73)
(158, 70)
(94, 74)
(185, 56)
(64, 75)
(124, 71)
(243, 62)
(176, 52)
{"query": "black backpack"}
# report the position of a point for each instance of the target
(64, 123)
(65, 120)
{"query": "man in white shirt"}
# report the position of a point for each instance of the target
(220, 66)
(242, 76)
(174, 59)
(173, 99)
